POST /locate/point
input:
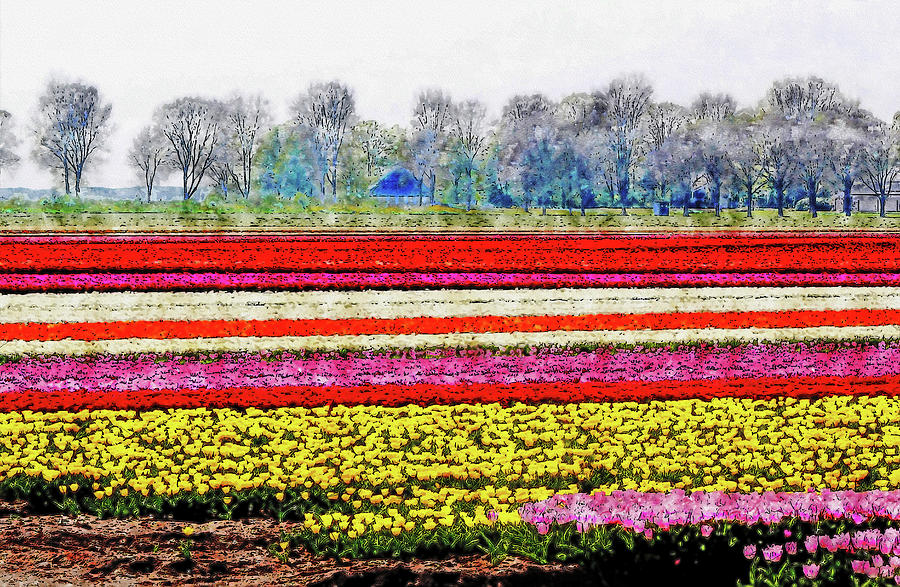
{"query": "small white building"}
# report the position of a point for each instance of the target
(865, 200)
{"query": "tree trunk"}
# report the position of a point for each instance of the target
(66, 178)
(77, 182)
(848, 198)
(779, 199)
(811, 192)
(717, 191)
(749, 204)
(882, 203)
(687, 204)
(247, 178)
(332, 180)
(431, 189)
(323, 183)
(184, 185)
(623, 195)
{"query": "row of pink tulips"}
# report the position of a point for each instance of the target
(11, 282)
(644, 512)
(879, 551)
(226, 370)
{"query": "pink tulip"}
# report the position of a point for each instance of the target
(811, 571)
(773, 553)
(811, 543)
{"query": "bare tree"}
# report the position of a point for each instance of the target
(53, 138)
(627, 100)
(226, 157)
(148, 156)
(71, 126)
(848, 144)
(777, 150)
(678, 163)
(579, 113)
(601, 159)
(426, 150)
(433, 110)
(713, 107)
(526, 119)
(433, 114)
(713, 117)
(713, 139)
(375, 144)
(191, 125)
(805, 98)
(8, 142)
(577, 117)
(746, 163)
(326, 111)
(881, 161)
(469, 137)
(814, 151)
(663, 120)
(368, 151)
(246, 120)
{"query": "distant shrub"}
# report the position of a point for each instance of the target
(214, 199)
(300, 200)
(14, 204)
(803, 205)
(64, 203)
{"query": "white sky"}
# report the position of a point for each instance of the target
(142, 54)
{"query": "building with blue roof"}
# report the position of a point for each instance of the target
(398, 186)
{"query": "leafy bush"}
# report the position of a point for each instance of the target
(803, 205)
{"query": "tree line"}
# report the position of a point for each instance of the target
(613, 147)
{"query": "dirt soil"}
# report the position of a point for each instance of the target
(84, 550)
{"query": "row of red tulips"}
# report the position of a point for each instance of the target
(432, 394)
(646, 253)
(184, 281)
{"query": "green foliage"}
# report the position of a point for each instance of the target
(283, 165)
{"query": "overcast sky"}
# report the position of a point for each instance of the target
(142, 54)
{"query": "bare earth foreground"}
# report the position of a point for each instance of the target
(84, 550)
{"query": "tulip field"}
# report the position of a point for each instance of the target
(725, 404)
